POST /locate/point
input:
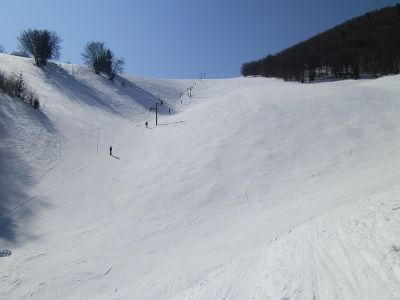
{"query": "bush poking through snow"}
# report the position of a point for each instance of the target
(15, 86)
(20, 53)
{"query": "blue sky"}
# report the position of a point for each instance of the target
(179, 38)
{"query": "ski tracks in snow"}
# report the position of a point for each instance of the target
(238, 279)
(349, 253)
(346, 254)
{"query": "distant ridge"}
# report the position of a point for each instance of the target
(368, 45)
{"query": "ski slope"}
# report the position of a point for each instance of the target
(253, 188)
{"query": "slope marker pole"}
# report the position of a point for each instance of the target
(112, 142)
(98, 137)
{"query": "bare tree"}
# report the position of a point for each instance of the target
(94, 55)
(115, 65)
(102, 60)
(41, 44)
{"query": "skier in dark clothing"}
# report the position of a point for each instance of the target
(110, 150)
(147, 124)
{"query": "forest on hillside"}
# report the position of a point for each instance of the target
(366, 46)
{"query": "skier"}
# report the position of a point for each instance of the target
(147, 124)
(110, 150)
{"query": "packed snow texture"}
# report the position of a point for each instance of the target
(253, 188)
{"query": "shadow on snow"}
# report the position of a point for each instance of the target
(129, 93)
(17, 207)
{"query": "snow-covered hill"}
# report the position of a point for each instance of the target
(253, 188)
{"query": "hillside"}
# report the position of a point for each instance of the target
(366, 46)
(254, 188)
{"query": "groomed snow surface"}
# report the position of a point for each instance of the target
(253, 188)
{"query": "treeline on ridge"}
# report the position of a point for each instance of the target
(366, 46)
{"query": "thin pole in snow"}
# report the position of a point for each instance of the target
(190, 91)
(112, 142)
(98, 137)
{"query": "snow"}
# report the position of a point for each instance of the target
(253, 188)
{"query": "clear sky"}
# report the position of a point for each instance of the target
(179, 38)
